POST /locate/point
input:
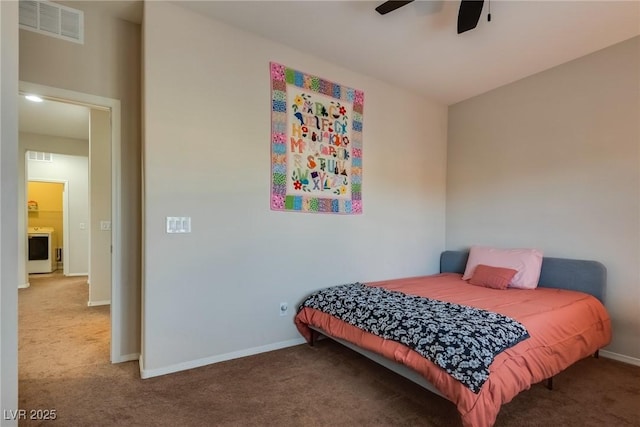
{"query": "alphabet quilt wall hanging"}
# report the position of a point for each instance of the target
(316, 144)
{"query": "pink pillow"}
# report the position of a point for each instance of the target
(492, 277)
(527, 263)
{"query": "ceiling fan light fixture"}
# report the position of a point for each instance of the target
(469, 14)
(390, 6)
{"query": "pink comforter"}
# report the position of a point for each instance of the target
(564, 327)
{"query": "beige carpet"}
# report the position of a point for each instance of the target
(64, 347)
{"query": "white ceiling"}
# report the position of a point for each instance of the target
(53, 118)
(417, 47)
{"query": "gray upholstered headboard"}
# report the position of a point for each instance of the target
(562, 273)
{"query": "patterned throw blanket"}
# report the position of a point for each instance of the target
(461, 340)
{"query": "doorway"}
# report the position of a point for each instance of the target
(51, 208)
(105, 118)
(47, 225)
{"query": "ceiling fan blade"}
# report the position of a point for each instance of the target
(390, 6)
(469, 14)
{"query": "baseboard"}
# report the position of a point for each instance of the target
(76, 274)
(24, 285)
(149, 373)
(126, 358)
(97, 303)
(619, 357)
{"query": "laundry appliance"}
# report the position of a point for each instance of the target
(41, 251)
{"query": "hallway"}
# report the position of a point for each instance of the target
(58, 334)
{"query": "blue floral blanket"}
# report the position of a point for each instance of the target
(461, 340)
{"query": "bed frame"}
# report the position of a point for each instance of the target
(560, 273)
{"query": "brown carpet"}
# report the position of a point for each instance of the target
(64, 347)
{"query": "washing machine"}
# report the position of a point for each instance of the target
(41, 251)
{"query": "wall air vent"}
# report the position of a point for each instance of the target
(39, 156)
(52, 19)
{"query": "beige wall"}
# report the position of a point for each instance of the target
(52, 144)
(107, 65)
(100, 202)
(552, 162)
(215, 293)
(9, 209)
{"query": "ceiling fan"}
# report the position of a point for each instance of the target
(468, 14)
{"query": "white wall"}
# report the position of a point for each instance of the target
(74, 170)
(215, 293)
(8, 209)
(552, 161)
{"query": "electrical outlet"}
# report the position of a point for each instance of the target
(284, 308)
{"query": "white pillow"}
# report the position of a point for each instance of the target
(527, 263)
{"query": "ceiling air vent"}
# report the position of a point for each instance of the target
(52, 19)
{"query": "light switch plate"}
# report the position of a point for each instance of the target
(105, 225)
(178, 224)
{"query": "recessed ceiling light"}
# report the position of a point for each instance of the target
(33, 98)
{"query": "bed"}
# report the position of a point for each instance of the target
(551, 327)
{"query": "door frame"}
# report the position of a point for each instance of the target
(113, 105)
